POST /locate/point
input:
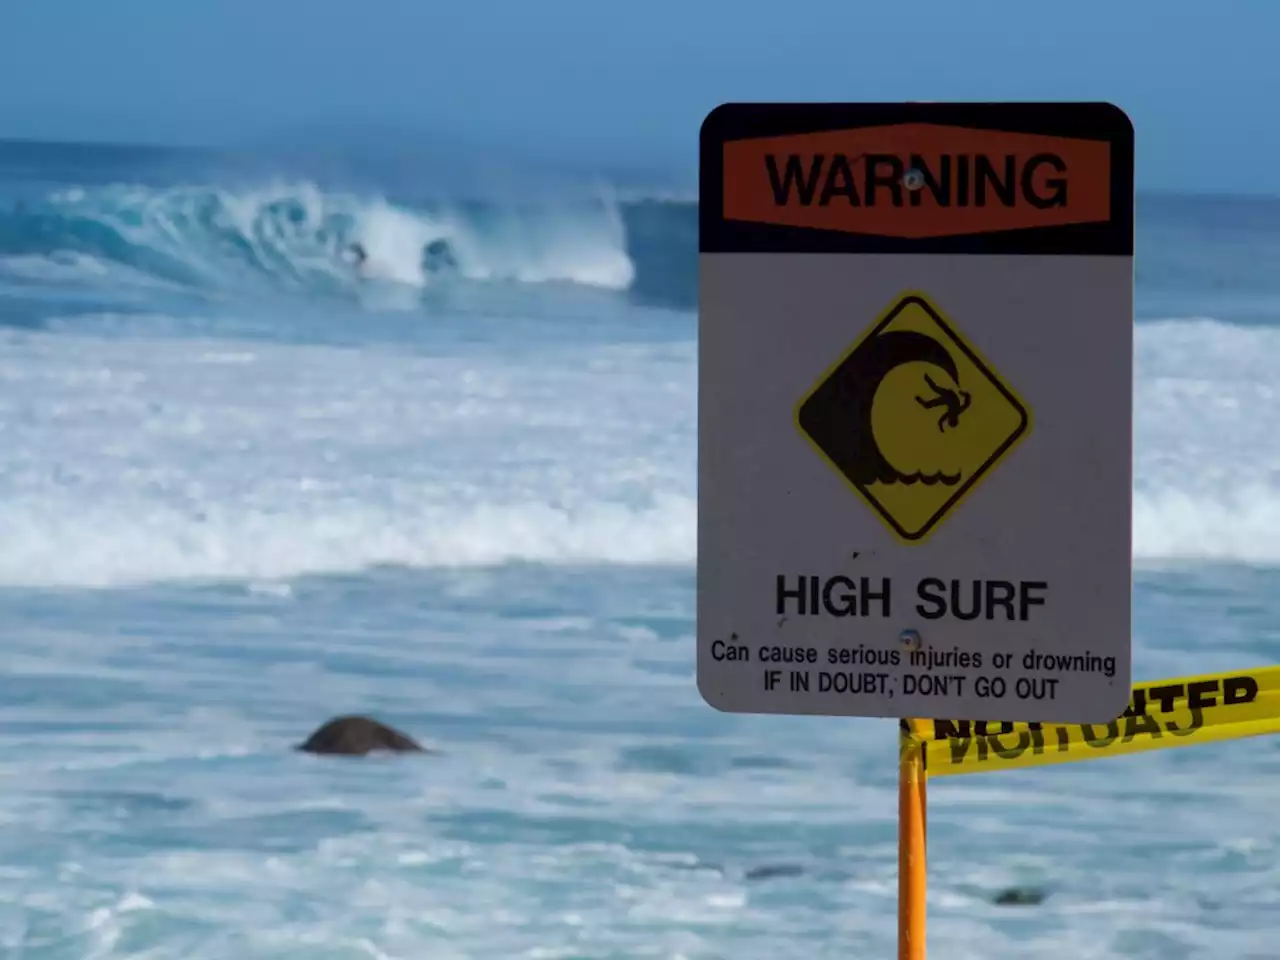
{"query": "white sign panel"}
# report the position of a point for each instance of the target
(915, 410)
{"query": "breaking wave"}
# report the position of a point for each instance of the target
(295, 235)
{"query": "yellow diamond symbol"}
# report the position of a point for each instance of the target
(912, 417)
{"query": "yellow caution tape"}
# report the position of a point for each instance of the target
(1162, 713)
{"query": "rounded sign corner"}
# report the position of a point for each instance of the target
(709, 695)
(715, 116)
(1123, 687)
(1118, 114)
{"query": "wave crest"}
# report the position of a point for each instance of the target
(295, 235)
(50, 543)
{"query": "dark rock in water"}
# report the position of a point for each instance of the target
(1019, 896)
(771, 870)
(356, 736)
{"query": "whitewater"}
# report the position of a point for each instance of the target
(245, 489)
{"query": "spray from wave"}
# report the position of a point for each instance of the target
(296, 235)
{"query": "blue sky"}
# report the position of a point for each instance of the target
(607, 82)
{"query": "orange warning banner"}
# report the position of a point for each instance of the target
(917, 180)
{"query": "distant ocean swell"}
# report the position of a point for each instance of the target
(293, 236)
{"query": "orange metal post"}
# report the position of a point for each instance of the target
(912, 833)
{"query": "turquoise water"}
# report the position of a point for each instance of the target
(244, 491)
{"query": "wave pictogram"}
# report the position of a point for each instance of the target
(929, 479)
(853, 392)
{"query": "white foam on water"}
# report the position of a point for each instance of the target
(140, 460)
(1207, 458)
(152, 459)
(585, 801)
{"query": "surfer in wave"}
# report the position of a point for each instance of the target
(356, 255)
(437, 257)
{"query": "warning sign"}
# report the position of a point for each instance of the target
(915, 409)
(917, 180)
(912, 417)
(1161, 714)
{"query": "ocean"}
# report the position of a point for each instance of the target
(243, 490)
